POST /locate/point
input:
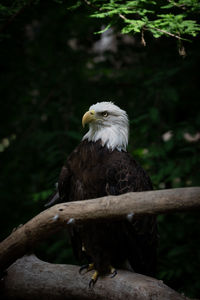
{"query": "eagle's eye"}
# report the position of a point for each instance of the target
(104, 113)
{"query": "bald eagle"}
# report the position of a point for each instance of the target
(98, 167)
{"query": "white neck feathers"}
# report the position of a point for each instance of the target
(113, 137)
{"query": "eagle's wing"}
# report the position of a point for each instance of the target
(64, 183)
(139, 233)
(62, 195)
(62, 188)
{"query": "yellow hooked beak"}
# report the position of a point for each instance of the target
(88, 117)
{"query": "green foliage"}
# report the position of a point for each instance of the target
(155, 16)
(42, 195)
(50, 75)
(175, 252)
(12, 8)
(172, 18)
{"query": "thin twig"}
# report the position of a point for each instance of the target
(164, 31)
(182, 6)
(123, 17)
(87, 2)
(142, 38)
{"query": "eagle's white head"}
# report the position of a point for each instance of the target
(108, 123)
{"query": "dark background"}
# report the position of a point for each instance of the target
(53, 67)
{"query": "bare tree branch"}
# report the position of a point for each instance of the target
(111, 207)
(30, 278)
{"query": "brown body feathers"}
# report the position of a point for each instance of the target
(93, 171)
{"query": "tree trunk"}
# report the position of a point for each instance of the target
(30, 278)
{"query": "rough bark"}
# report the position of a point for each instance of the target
(30, 278)
(59, 216)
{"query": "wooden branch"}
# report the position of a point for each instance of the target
(30, 278)
(59, 216)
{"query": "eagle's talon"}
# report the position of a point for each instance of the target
(91, 283)
(83, 268)
(113, 274)
(88, 268)
(94, 279)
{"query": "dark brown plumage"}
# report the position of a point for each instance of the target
(93, 171)
(100, 166)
